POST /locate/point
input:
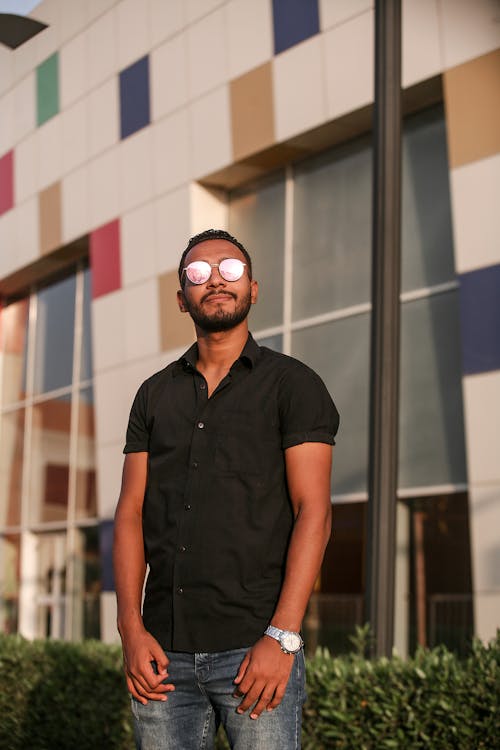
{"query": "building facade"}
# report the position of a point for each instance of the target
(127, 126)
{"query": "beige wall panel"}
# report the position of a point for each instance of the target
(484, 519)
(252, 120)
(50, 218)
(176, 328)
(473, 109)
(482, 427)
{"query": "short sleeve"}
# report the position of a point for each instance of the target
(307, 411)
(137, 439)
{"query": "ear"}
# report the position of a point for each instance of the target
(254, 292)
(181, 301)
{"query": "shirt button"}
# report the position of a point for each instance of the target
(195, 464)
(187, 507)
(201, 425)
(203, 386)
(180, 590)
(182, 548)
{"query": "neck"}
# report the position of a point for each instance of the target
(218, 351)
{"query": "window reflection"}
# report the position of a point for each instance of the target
(11, 467)
(51, 584)
(87, 584)
(50, 460)
(55, 322)
(86, 364)
(257, 219)
(14, 333)
(10, 545)
(86, 505)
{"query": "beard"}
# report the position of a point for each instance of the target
(218, 320)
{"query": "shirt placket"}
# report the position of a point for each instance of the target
(198, 458)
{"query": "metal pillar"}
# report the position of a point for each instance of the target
(385, 327)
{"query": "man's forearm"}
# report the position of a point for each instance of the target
(308, 541)
(130, 570)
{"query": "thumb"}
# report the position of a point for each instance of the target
(160, 657)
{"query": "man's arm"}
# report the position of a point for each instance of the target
(264, 672)
(139, 646)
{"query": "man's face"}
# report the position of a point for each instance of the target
(217, 305)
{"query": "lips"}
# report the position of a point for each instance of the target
(218, 297)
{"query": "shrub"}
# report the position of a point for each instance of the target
(56, 696)
(432, 701)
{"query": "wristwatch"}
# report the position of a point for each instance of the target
(290, 642)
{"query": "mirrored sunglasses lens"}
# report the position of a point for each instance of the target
(198, 272)
(231, 269)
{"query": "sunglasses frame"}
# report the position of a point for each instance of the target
(213, 265)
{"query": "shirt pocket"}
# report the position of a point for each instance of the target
(247, 443)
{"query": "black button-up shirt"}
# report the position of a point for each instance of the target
(217, 515)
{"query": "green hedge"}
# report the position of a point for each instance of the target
(57, 696)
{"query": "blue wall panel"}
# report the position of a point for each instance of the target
(480, 319)
(134, 97)
(294, 21)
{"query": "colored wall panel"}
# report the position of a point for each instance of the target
(176, 328)
(105, 259)
(134, 97)
(252, 119)
(49, 203)
(480, 319)
(294, 21)
(473, 109)
(6, 182)
(47, 89)
(106, 555)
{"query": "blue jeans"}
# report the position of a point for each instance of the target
(203, 699)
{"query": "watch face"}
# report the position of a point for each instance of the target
(291, 641)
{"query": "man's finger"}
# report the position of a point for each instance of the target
(242, 669)
(278, 696)
(263, 702)
(251, 697)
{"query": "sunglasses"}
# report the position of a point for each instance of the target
(199, 271)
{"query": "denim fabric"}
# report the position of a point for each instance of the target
(203, 699)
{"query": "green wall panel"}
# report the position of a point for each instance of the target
(47, 89)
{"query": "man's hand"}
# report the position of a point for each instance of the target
(263, 676)
(145, 664)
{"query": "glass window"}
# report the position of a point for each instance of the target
(14, 340)
(86, 364)
(55, 323)
(272, 342)
(440, 578)
(332, 231)
(87, 584)
(11, 466)
(431, 433)
(49, 459)
(10, 545)
(51, 584)
(86, 504)
(336, 605)
(257, 219)
(338, 351)
(426, 234)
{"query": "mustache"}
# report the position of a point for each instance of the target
(213, 294)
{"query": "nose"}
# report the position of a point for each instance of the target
(215, 277)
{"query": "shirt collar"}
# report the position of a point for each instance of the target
(249, 355)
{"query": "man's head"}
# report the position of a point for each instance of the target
(218, 297)
(212, 234)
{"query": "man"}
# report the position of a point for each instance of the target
(226, 496)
